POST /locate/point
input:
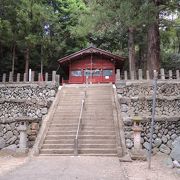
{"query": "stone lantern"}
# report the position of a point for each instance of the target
(137, 152)
(137, 129)
(23, 137)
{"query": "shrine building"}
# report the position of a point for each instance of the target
(90, 65)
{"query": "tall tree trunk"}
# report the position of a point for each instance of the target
(42, 63)
(41, 60)
(13, 58)
(27, 62)
(131, 46)
(1, 51)
(153, 57)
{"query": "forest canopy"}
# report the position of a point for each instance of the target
(36, 33)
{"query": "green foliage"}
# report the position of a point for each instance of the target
(106, 24)
(52, 29)
(43, 26)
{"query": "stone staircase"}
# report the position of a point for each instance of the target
(97, 135)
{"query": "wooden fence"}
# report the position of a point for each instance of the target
(162, 75)
(31, 77)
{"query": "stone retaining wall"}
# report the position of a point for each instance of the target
(135, 98)
(28, 101)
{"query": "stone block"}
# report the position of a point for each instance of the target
(176, 164)
(157, 142)
(168, 162)
(175, 153)
(11, 140)
(44, 111)
(127, 121)
(146, 145)
(8, 135)
(124, 108)
(164, 139)
(164, 149)
(129, 143)
(2, 143)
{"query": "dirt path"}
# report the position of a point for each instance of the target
(138, 170)
(68, 168)
(83, 168)
(9, 163)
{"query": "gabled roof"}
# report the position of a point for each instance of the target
(91, 50)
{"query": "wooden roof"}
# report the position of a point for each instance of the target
(91, 50)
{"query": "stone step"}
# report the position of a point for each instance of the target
(97, 136)
(72, 96)
(102, 123)
(97, 151)
(87, 101)
(84, 121)
(64, 125)
(90, 125)
(93, 108)
(72, 106)
(102, 129)
(85, 115)
(57, 151)
(99, 106)
(85, 118)
(85, 146)
(82, 141)
(92, 151)
(103, 155)
(82, 132)
(53, 137)
(57, 146)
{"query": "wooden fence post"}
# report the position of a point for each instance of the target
(170, 74)
(18, 77)
(58, 78)
(25, 77)
(46, 77)
(147, 75)
(155, 74)
(10, 77)
(140, 75)
(118, 77)
(162, 74)
(4, 78)
(53, 76)
(132, 75)
(32, 76)
(39, 77)
(125, 75)
(177, 75)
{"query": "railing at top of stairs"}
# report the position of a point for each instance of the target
(79, 125)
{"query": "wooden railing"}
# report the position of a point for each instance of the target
(139, 75)
(31, 77)
(79, 126)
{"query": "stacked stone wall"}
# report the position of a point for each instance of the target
(23, 101)
(135, 98)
